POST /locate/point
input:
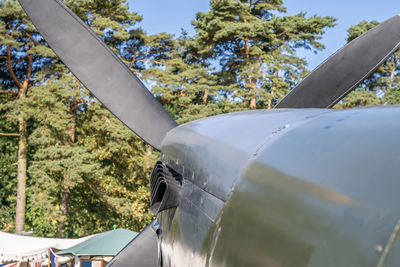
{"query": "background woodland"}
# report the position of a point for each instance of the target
(69, 168)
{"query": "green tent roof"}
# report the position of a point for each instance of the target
(104, 244)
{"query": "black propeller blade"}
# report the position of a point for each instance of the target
(100, 70)
(347, 68)
(141, 251)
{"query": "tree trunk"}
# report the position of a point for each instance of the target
(72, 129)
(205, 96)
(65, 195)
(21, 176)
(253, 103)
(253, 97)
(22, 144)
(274, 81)
(247, 79)
(65, 192)
(392, 71)
(147, 157)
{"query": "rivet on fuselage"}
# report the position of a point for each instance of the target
(379, 249)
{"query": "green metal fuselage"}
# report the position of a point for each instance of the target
(308, 187)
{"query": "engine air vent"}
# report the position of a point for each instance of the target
(165, 185)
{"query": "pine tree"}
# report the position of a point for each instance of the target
(70, 144)
(184, 84)
(22, 54)
(123, 187)
(256, 47)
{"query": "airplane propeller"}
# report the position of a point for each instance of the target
(347, 68)
(111, 81)
(100, 70)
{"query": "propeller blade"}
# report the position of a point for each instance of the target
(100, 70)
(347, 68)
(141, 251)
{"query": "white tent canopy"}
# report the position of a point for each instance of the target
(26, 248)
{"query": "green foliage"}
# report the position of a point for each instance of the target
(122, 157)
(8, 174)
(86, 171)
(19, 34)
(101, 169)
(360, 97)
(103, 172)
(186, 87)
(23, 54)
(256, 47)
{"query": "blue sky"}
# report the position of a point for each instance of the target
(172, 15)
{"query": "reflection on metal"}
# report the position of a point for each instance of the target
(212, 152)
(389, 245)
(271, 136)
(307, 198)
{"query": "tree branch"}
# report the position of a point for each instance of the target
(9, 66)
(10, 69)
(19, 60)
(9, 134)
(16, 27)
(30, 64)
(133, 61)
(151, 60)
(86, 102)
(182, 105)
(8, 92)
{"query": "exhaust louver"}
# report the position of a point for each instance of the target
(165, 185)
